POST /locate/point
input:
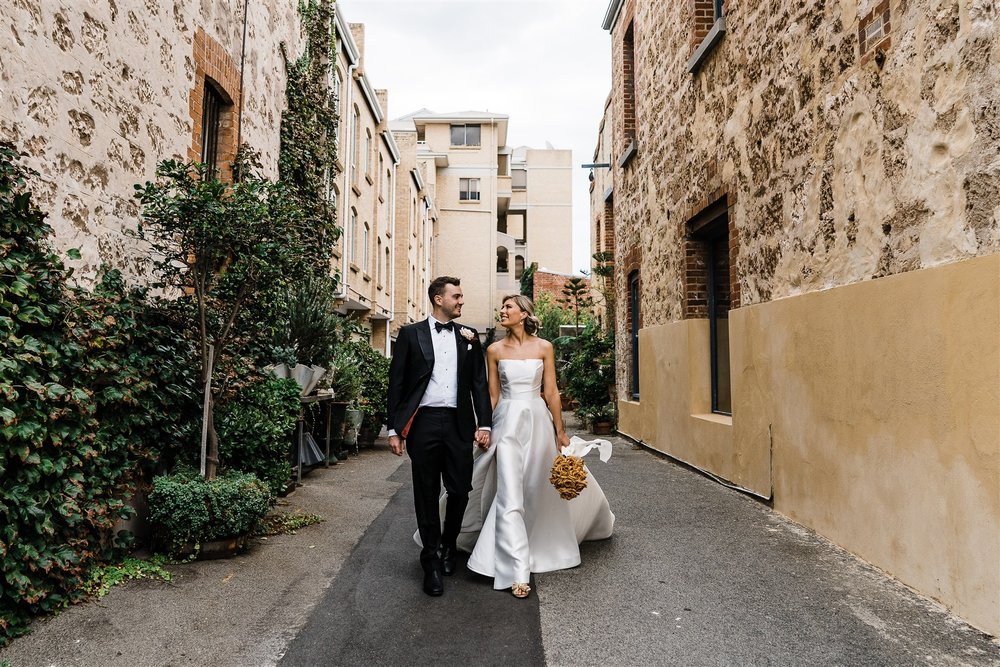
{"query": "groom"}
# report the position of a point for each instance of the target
(438, 405)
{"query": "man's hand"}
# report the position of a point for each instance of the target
(483, 439)
(397, 444)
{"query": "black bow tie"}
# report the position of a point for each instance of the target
(438, 326)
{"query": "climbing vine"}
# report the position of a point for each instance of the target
(307, 161)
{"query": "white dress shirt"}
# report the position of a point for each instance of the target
(442, 390)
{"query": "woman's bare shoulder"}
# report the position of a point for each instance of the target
(543, 345)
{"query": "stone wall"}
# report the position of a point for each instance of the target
(838, 166)
(97, 92)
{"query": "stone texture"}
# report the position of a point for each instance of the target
(842, 170)
(96, 93)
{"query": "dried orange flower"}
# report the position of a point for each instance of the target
(568, 476)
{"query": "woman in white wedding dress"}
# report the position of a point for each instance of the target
(516, 523)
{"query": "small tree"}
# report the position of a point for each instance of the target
(576, 297)
(223, 247)
(604, 270)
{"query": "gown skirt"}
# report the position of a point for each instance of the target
(516, 523)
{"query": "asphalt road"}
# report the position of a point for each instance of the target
(695, 574)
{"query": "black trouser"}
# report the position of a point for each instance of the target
(437, 452)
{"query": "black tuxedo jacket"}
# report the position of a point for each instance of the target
(410, 373)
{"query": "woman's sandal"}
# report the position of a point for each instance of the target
(520, 590)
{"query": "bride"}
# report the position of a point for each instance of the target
(516, 523)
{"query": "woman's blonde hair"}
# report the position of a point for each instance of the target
(531, 323)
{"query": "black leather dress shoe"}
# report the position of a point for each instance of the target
(433, 582)
(449, 561)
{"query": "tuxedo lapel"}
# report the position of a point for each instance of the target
(461, 344)
(426, 346)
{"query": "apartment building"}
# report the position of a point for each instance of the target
(498, 209)
(364, 191)
(415, 229)
(804, 201)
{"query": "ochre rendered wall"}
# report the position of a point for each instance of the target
(883, 403)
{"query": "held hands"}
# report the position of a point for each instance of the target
(397, 444)
(562, 440)
(482, 439)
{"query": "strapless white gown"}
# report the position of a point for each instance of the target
(516, 523)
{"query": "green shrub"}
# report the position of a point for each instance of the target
(373, 366)
(90, 387)
(187, 509)
(255, 428)
(590, 371)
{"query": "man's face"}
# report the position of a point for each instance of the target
(451, 302)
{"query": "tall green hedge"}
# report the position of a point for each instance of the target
(91, 388)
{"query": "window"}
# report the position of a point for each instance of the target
(628, 83)
(634, 323)
(381, 181)
(368, 153)
(468, 189)
(353, 253)
(518, 266)
(709, 252)
(502, 256)
(364, 249)
(355, 138)
(211, 111)
(378, 263)
(707, 29)
(388, 271)
(519, 179)
(465, 135)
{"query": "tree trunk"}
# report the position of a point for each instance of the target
(212, 460)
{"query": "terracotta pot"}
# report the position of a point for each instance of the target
(602, 428)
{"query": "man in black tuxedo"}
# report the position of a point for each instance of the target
(439, 405)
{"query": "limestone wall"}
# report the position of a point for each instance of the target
(841, 170)
(97, 92)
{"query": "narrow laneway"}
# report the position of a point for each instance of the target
(696, 574)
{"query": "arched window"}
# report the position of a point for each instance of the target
(378, 262)
(353, 252)
(364, 249)
(502, 260)
(355, 144)
(368, 153)
(518, 266)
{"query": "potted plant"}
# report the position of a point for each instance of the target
(374, 393)
(602, 419)
(207, 517)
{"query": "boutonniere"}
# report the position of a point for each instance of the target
(467, 334)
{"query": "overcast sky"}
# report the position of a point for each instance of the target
(545, 63)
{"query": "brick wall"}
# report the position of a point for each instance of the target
(551, 283)
(212, 61)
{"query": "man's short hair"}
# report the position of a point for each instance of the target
(437, 286)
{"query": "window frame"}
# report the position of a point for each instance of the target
(466, 192)
(635, 314)
(465, 127)
(212, 106)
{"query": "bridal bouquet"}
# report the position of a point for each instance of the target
(569, 475)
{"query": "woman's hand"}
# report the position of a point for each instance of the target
(562, 440)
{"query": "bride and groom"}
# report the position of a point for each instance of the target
(498, 503)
